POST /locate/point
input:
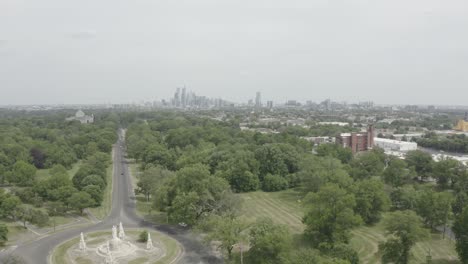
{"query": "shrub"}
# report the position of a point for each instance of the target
(143, 237)
(273, 183)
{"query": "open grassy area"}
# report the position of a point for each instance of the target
(282, 207)
(285, 208)
(170, 246)
(366, 241)
(16, 232)
(59, 220)
(44, 173)
(102, 211)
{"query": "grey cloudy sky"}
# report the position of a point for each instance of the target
(99, 51)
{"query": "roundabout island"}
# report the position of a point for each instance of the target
(117, 246)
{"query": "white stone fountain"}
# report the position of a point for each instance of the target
(149, 242)
(121, 231)
(82, 242)
(118, 248)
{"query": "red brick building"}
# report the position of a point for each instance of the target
(360, 141)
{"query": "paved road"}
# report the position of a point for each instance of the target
(123, 210)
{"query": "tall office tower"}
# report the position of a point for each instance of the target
(184, 97)
(177, 98)
(270, 104)
(258, 100)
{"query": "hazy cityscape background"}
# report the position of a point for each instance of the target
(389, 52)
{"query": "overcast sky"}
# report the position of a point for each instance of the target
(114, 51)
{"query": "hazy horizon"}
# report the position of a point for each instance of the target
(88, 52)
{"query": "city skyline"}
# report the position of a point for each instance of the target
(389, 52)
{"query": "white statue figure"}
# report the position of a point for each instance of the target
(149, 242)
(82, 242)
(121, 231)
(114, 233)
(109, 259)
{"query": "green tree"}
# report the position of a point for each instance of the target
(23, 174)
(38, 217)
(420, 161)
(277, 159)
(159, 155)
(460, 201)
(185, 209)
(404, 198)
(366, 165)
(148, 180)
(80, 201)
(269, 243)
(227, 230)
(397, 174)
(143, 236)
(273, 183)
(3, 234)
(460, 228)
(371, 200)
(315, 172)
(194, 193)
(95, 192)
(330, 216)
(240, 170)
(445, 171)
(434, 207)
(95, 180)
(404, 229)
(8, 204)
(345, 155)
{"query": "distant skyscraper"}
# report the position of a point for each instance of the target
(270, 104)
(258, 100)
(184, 97)
(177, 98)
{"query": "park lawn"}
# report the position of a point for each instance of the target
(43, 174)
(59, 220)
(285, 208)
(366, 241)
(15, 232)
(102, 211)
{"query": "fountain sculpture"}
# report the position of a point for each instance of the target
(121, 231)
(118, 248)
(149, 242)
(82, 242)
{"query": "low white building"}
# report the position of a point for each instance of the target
(334, 123)
(395, 145)
(82, 117)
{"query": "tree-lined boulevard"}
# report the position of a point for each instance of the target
(122, 210)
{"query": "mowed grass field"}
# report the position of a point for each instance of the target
(44, 173)
(286, 208)
(282, 207)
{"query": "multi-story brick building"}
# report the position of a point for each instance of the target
(359, 141)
